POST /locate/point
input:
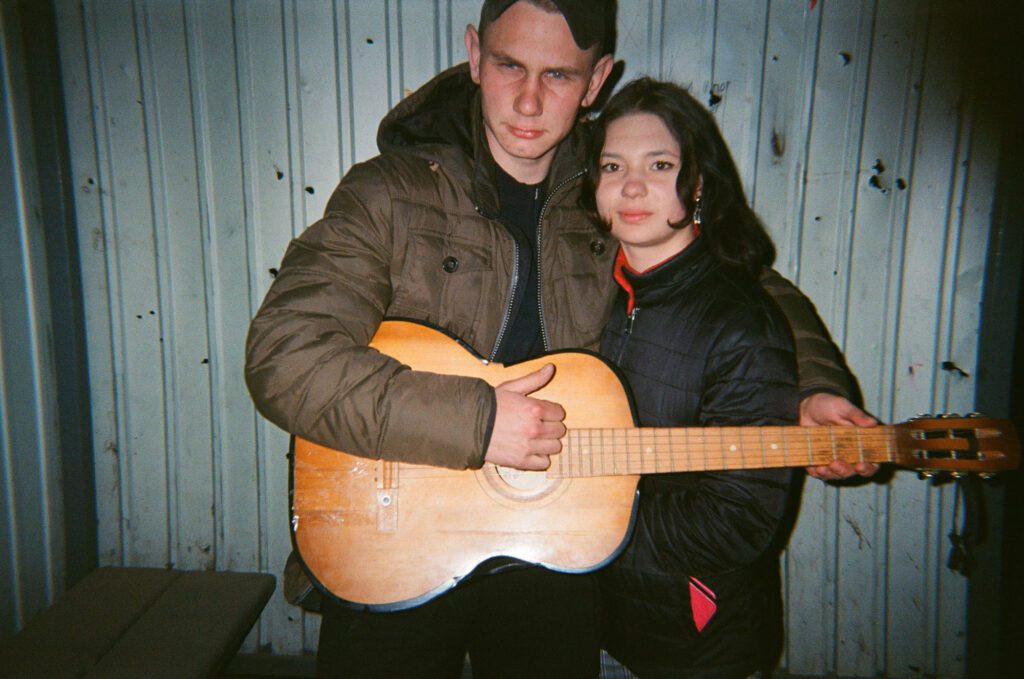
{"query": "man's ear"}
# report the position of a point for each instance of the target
(602, 69)
(473, 50)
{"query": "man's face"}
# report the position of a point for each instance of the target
(533, 80)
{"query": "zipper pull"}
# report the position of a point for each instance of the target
(625, 337)
(632, 319)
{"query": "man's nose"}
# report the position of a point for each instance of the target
(528, 101)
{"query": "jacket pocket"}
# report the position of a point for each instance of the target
(582, 280)
(441, 278)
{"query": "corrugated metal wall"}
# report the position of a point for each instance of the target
(205, 134)
(32, 559)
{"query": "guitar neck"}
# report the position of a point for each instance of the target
(655, 450)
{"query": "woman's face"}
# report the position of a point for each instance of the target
(636, 190)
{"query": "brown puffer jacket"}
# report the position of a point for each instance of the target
(412, 233)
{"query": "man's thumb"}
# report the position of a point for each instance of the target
(527, 384)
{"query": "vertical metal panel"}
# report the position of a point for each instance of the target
(32, 559)
(91, 205)
(272, 186)
(787, 88)
(206, 134)
(125, 173)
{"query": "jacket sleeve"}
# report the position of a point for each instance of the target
(819, 362)
(717, 522)
(307, 364)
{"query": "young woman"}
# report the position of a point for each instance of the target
(700, 344)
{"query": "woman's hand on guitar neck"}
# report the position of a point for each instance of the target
(527, 431)
(823, 409)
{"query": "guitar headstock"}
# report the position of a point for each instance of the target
(957, 444)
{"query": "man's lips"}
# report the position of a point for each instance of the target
(524, 133)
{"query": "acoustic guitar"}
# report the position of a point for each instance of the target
(388, 535)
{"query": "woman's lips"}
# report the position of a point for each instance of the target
(634, 216)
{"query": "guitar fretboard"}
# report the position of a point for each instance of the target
(654, 450)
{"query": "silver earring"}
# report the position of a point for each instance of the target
(697, 213)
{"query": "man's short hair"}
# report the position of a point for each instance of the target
(592, 22)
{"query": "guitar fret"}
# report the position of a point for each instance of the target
(722, 447)
(574, 458)
(672, 451)
(589, 462)
(764, 448)
(785, 445)
(742, 446)
(704, 448)
(648, 453)
(630, 449)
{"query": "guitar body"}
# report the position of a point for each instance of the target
(388, 536)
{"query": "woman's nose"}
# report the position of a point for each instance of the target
(634, 187)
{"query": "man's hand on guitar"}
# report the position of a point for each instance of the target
(824, 409)
(526, 430)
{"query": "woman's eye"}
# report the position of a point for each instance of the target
(609, 167)
(663, 165)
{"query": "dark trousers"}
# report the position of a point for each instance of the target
(521, 623)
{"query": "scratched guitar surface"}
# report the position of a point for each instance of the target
(355, 519)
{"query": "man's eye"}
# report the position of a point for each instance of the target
(557, 75)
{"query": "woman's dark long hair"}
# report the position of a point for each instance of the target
(735, 234)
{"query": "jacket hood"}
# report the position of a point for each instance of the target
(443, 111)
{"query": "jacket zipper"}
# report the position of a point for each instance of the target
(540, 226)
(511, 298)
(630, 320)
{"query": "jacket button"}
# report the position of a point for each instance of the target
(597, 247)
(450, 264)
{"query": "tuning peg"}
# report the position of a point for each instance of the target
(974, 415)
(987, 475)
(926, 474)
(958, 475)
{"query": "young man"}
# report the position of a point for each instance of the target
(468, 220)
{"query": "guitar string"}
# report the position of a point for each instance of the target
(873, 445)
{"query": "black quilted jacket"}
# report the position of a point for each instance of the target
(699, 344)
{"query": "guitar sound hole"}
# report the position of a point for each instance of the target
(530, 482)
(505, 484)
